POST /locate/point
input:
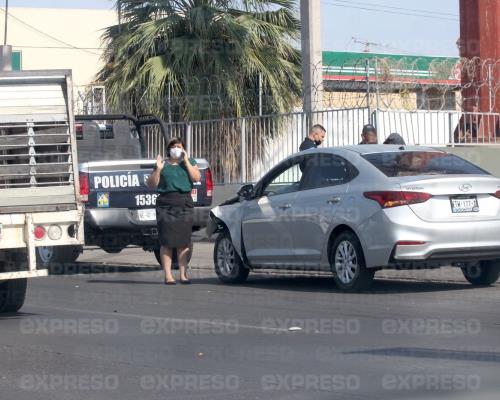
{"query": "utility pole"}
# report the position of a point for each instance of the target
(6, 50)
(6, 22)
(312, 62)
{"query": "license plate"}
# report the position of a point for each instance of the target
(464, 204)
(194, 195)
(147, 215)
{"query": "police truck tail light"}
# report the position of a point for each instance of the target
(79, 131)
(84, 186)
(389, 199)
(209, 182)
(39, 232)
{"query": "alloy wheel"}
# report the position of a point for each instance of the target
(346, 262)
(226, 259)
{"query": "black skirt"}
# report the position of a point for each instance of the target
(174, 215)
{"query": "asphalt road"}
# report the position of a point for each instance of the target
(116, 332)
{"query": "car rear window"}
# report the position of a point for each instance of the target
(107, 142)
(412, 163)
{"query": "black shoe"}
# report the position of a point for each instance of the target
(185, 282)
(170, 282)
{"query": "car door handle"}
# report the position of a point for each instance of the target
(334, 200)
(285, 206)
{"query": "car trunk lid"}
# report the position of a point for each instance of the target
(455, 198)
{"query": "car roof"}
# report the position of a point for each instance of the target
(373, 148)
(387, 148)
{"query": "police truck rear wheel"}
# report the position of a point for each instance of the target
(49, 255)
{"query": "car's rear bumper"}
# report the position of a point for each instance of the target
(441, 242)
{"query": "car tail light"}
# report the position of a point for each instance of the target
(209, 182)
(391, 199)
(84, 186)
(39, 232)
(497, 194)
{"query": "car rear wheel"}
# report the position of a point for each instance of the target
(484, 273)
(12, 295)
(175, 262)
(348, 264)
(227, 263)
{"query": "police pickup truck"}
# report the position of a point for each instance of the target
(120, 208)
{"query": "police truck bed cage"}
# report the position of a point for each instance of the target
(139, 123)
(37, 150)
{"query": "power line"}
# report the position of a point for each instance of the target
(390, 12)
(421, 11)
(59, 47)
(48, 35)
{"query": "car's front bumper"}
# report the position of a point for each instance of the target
(433, 242)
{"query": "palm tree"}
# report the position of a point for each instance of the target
(203, 59)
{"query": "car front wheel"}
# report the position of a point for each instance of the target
(484, 273)
(348, 264)
(228, 265)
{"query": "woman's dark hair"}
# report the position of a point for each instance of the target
(395, 138)
(172, 142)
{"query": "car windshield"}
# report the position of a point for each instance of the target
(412, 163)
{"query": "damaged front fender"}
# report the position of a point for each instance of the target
(227, 217)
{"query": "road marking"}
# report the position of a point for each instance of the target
(138, 316)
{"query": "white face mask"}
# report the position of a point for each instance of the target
(175, 152)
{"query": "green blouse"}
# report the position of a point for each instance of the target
(175, 178)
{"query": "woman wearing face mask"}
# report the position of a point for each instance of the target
(174, 178)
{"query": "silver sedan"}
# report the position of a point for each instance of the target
(355, 210)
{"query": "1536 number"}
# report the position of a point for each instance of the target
(145, 199)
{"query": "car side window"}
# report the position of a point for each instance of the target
(287, 181)
(323, 170)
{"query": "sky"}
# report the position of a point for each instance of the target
(426, 27)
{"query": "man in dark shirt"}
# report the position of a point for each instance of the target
(314, 139)
(369, 135)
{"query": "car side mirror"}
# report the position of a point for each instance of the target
(246, 191)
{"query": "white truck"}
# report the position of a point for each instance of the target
(40, 202)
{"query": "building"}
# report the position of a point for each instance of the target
(390, 81)
(60, 38)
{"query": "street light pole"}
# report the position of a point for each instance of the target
(312, 63)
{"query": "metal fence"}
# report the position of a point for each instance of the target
(244, 149)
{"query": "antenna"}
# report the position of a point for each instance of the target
(366, 43)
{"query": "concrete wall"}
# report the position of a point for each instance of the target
(81, 28)
(487, 158)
